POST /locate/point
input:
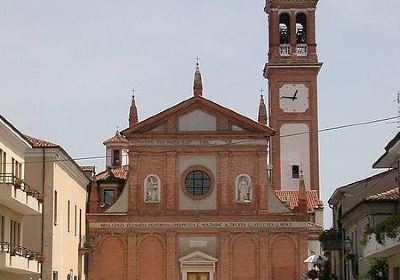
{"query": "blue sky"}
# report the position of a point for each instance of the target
(67, 67)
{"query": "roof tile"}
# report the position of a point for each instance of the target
(391, 195)
(117, 138)
(291, 198)
(38, 143)
(113, 172)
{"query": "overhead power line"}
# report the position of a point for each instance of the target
(328, 129)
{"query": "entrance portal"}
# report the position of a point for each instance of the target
(198, 276)
(198, 266)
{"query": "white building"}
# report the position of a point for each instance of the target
(64, 185)
(43, 195)
(18, 201)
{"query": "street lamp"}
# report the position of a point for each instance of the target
(347, 248)
(347, 244)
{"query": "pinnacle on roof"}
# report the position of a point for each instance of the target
(133, 114)
(197, 83)
(302, 194)
(262, 111)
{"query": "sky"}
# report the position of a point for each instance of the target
(67, 68)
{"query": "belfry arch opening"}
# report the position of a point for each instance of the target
(301, 28)
(284, 28)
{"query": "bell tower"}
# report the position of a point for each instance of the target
(292, 71)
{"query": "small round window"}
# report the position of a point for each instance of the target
(198, 183)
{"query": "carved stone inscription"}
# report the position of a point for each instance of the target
(191, 225)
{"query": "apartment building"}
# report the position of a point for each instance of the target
(64, 185)
(18, 201)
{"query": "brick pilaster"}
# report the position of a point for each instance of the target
(171, 187)
(224, 190)
(223, 258)
(131, 256)
(171, 256)
(133, 181)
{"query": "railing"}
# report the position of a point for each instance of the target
(8, 178)
(284, 50)
(16, 250)
(86, 243)
(301, 49)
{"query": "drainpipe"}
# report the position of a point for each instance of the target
(43, 207)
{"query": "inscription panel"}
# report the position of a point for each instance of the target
(193, 142)
(195, 225)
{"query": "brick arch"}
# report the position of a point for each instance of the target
(283, 258)
(244, 258)
(151, 259)
(112, 259)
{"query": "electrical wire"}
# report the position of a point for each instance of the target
(333, 128)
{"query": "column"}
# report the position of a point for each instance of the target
(311, 41)
(293, 36)
(274, 36)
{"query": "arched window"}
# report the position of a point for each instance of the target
(301, 28)
(284, 28)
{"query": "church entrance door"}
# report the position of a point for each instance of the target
(198, 276)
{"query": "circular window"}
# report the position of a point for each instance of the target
(198, 183)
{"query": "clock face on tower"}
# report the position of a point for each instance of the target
(294, 98)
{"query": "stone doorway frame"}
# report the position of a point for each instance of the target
(197, 262)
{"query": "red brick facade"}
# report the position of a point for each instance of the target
(236, 227)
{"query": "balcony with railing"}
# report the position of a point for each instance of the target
(19, 196)
(18, 259)
(284, 50)
(86, 244)
(301, 50)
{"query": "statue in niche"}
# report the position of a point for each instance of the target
(152, 189)
(243, 189)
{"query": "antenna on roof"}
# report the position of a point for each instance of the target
(397, 101)
(398, 109)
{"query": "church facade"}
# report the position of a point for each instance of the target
(200, 192)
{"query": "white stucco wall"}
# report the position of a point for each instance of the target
(65, 243)
(295, 150)
(207, 203)
(197, 121)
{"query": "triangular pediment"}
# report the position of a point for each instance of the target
(197, 257)
(198, 115)
(197, 120)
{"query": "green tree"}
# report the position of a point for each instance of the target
(378, 269)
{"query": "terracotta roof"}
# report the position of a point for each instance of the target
(88, 168)
(117, 138)
(114, 172)
(391, 195)
(38, 143)
(291, 198)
